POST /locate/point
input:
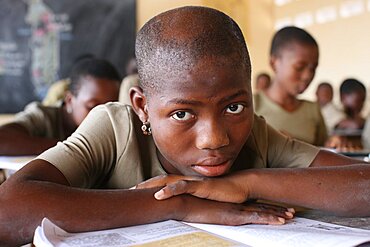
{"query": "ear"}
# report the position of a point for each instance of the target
(273, 60)
(68, 98)
(139, 103)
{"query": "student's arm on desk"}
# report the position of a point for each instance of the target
(15, 140)
(40, 190)
(342, 189)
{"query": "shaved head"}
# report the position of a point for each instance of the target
(173, 42)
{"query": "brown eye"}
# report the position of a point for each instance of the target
(235, 108)
(182, 116)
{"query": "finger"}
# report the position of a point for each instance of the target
(158, 181)
(192, 187)
(263, 218)
(163, 180)
(271, 207)
(287, 213)
(174, 189)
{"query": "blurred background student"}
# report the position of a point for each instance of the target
(294, 57)
(352, 96)
(331, 113)
(39, 127)
(263, 81)
(348, 135)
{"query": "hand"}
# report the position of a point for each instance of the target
(212, 212)
(223, 189)
(343, 143)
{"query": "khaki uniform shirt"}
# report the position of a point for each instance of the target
(305, 124)
(42, 121)
(332, 116)
(109, 150)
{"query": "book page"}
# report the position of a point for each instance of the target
(167, 233)
(298, 232)
(15, 162)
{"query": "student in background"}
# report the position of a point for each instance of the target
(331, 114)
(352, 96)
(39, 127)
(346, 135)
(192, 115)
(294, 57)
(263, 81)
(58, 90)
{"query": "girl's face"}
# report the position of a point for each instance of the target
(93, 92)
(201, 119)
(295, 67)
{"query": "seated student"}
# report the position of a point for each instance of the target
(293, 57)
(352, 96)
(58, 90)
(192, 115)
(331, 114)
(39, 127)
(263, 81)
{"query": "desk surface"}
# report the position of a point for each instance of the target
(356, 222)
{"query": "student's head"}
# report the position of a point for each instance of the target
(195, 91)
(294, 57)
(263, 81)
(324, 93)
(352, 96)
(93, 82)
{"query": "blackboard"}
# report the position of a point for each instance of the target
(40, 40)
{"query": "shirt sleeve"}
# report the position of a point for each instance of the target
(88, 156)
(286, 152)
(33, 119)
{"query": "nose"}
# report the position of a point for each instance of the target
(308, 75)
(212, 135)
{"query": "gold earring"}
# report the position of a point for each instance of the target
(146, 128)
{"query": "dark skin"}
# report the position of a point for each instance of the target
(316, 187)
(16, 140)
(200, 119)
(207, 152)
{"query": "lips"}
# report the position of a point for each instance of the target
(212, 167)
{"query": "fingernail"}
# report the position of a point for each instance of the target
(282, 220)
(291, 210)
(289, 214)
(159, 195)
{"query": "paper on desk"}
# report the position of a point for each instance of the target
(167, 233)
(298, 232)
(14, 162)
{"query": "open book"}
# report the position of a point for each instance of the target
(297, 232)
